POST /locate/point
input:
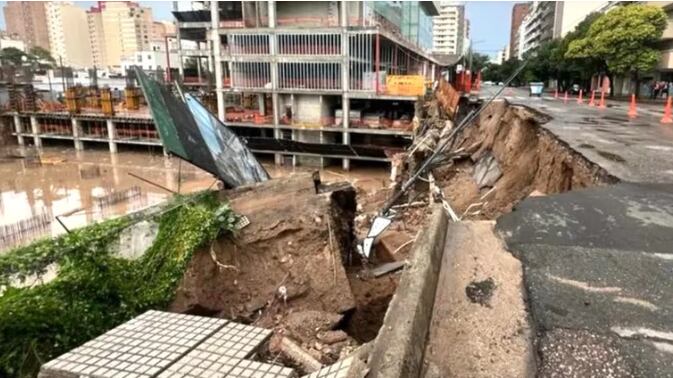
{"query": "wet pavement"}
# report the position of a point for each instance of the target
(598, 271)
(637, 150)
(82, 187)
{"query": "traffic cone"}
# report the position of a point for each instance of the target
(579, 98)
(601, 105)
(632, 108)
(565, 98)
(592, 100)
(556, 93)
(667, 112)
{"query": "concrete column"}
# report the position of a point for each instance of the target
(112, 135)
(18, 128)
(181, 68)
(272, 13)
(76, 133)
(211, 66)
(261, 104)
(432, 73)
(35, 127)
(346, 139)
(345, 82)
(217, 58)
(273, 42)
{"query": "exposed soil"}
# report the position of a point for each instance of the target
(529, 157)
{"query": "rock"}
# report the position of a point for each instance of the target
(486, 171)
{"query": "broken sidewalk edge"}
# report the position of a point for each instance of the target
(398, 349)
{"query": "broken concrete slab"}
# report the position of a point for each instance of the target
(389, 244)
(387, 268)
(492, 338)
(487, 171)
(399, 347)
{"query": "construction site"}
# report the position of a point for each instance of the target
(323, 199)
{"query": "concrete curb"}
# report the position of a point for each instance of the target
(399, 347)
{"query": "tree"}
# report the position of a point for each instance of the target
(624, 39)
(42, 54)
(12, 56)
(479, 61)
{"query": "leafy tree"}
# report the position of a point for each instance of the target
(12, 55)
(479, 61)
(624, 39)
(42, 54)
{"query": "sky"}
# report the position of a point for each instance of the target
(489, 21)
(489, 25)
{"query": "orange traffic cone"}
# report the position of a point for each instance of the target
(556, 93)
(579, 98)
(632, 108)
(592, 100)
(601, 104)
(667, 112)
(565, 98)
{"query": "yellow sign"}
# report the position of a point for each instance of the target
(405, 85)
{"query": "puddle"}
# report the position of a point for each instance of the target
(585, 145)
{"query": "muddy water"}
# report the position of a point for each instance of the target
(82, 187)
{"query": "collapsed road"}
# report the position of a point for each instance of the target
(555, 268)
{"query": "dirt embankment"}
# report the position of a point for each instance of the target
(509, 157)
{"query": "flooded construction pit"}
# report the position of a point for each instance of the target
(83, 187)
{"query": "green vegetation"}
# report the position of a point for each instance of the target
(95, 290)
(619, 42)
(37, 56)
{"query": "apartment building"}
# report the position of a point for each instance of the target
(118, 29)
(449, 28)
(28, 20)
(519, 11)
(547, 20)
(328, 81)
(69, 34)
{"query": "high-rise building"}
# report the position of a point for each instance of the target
(118, 29)
(449, 29)
(69, 34)
(519, 11)
(547, 20)
(28, 20)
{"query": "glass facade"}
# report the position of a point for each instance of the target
(416, 24)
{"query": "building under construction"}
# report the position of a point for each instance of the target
(305, 82)
(336, 80)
